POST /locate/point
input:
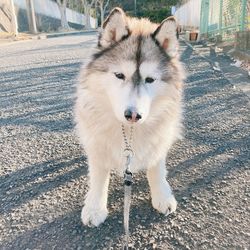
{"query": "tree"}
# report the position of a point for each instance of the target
(62, 7)
(31, 16)
(87, 5)
(156, 11)
(103, 4)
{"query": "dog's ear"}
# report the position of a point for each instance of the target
(114, 28)
(165, 35)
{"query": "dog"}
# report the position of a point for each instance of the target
(134, 78)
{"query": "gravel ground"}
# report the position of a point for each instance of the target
(43, 174)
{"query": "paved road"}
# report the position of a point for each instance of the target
(43, 171)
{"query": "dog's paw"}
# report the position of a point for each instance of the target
(93, 216)
(164, 203)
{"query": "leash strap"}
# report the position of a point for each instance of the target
(127, 201)
(128, 181)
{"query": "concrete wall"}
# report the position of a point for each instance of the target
(5, 17)
(48, 16)
(188, 15)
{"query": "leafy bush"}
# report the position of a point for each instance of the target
(155, 15)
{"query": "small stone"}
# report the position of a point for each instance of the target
(151, 241)
(154, 246)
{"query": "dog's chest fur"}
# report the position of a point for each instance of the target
(103, 137)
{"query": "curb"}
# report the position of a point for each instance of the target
(73, 33)
(43, 36)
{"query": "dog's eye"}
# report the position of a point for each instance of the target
(149, 80)
(119, 75)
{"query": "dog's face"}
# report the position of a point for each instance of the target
(134, 65)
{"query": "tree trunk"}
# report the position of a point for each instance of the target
(87, 7)
(62, 8)
(103, 8)
(64, 22)
(102, 13)
(87, 16)
(13, 18)
(31, 16)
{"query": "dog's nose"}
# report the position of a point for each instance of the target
(131, 115)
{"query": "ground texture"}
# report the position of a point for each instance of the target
(43, 172)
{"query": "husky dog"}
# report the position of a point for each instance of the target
(135, 78)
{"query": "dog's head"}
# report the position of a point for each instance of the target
(136, 65)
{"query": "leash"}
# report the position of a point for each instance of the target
(128, 181)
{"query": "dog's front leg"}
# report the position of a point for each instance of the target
(95, 210)
(162, 198)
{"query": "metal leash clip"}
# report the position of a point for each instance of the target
(128, 178)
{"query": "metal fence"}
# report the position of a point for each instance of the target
(221, 19)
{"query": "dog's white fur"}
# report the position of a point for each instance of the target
(99, 113)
